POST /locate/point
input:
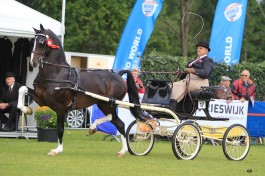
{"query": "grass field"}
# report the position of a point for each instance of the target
(89, 155)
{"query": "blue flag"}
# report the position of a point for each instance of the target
(227, 31)
(136, 34)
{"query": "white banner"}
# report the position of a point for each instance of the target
(236, 112)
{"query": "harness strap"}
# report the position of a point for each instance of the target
(55, 80)
(76, 87)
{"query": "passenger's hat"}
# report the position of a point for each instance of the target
(204, 44)
(225, 78)
(9, 74)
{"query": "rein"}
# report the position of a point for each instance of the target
(160, 72)
(49, 63)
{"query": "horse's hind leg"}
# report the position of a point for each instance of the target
(121, 128)
(115, 120)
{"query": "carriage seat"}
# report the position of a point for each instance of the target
(158, 92)
(205, 93)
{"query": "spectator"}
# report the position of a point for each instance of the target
(8, 102)
(196, 74)
(225, 92)
(244, 88)
(138, 82)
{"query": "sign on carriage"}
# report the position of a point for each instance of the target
(135, 36)
(236, 112)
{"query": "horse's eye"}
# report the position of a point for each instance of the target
(42, 41)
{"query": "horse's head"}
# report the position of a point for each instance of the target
(45, 41)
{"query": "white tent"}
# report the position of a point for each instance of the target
(17, 20)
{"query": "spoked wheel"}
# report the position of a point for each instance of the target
(200, 130)
(186, 141)
(236, 142)
(140, 138)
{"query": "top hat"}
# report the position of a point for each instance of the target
(9, 74)
(204, 44)
(225, 78)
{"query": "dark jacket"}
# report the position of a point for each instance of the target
(224, 93)
(12, 98)
(203, 67)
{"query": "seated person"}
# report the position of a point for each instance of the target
(196, 74)
(8, 102)
(138, 82)
(225, 92)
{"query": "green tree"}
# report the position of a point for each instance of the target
(97, 28)
(253, 40)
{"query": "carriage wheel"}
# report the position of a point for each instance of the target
(186, 141)
(75, 118)
(140, 138)
(200, 130)
(236, 142)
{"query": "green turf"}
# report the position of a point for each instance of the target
(89, 155)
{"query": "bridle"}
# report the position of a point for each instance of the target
(47, 42)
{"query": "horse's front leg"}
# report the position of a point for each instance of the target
(60, 130)
(21, 101)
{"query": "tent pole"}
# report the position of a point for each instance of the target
(62, 23)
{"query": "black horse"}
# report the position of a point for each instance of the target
(55, 72)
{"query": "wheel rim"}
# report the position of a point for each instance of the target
(140, 142)
(236, 143)
(186, 142)
(75, 119)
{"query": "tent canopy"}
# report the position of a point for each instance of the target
(17, 19)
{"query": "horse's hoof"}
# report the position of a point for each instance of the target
(29, 111)
(52, 153)
(92, 131)
(120, 155)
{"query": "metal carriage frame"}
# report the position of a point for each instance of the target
(186, 135)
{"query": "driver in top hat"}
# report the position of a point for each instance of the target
(195, 75)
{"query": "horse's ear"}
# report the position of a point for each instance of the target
(36, 30)
(41, 27)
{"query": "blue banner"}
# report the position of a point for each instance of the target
(256, 120)
(227, 31)
(137, 31)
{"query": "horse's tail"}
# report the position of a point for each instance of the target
(133, 96)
